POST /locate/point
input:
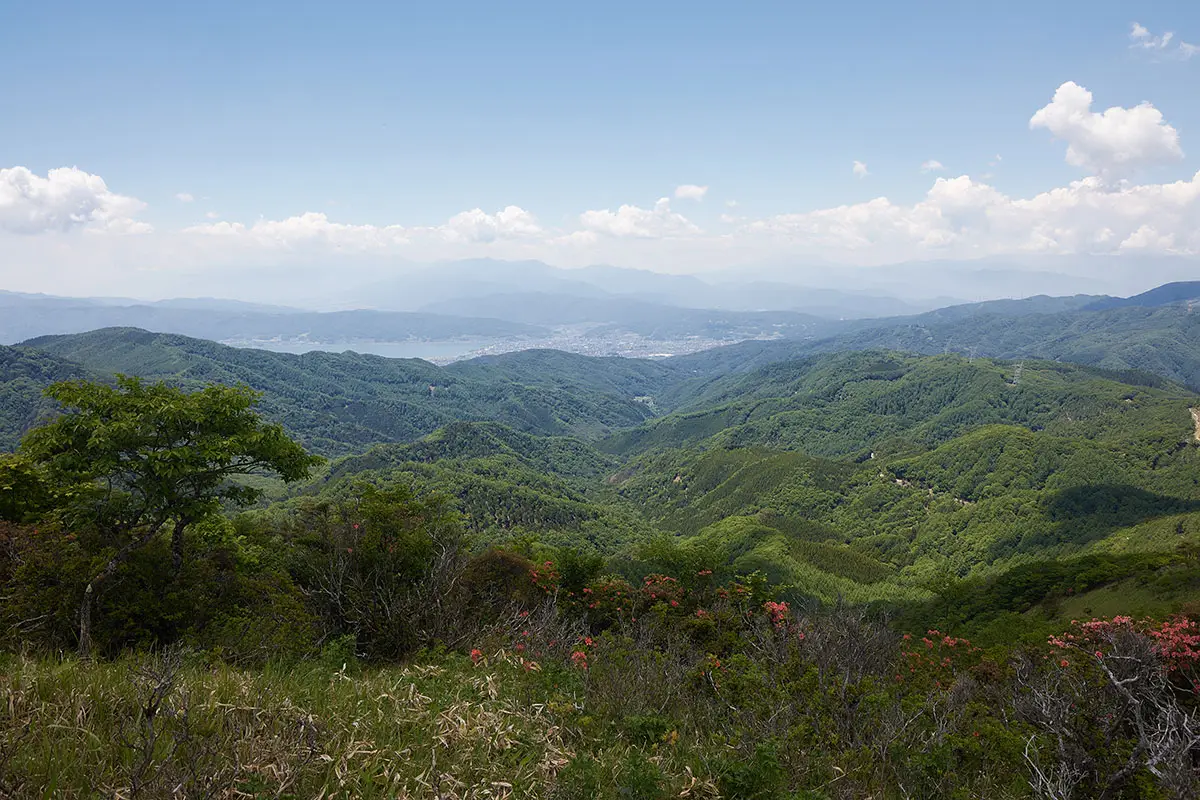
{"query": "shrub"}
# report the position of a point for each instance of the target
(758, 778)
(581, 779)
(640, 778)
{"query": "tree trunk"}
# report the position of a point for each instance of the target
(177, 545)
(85, 623)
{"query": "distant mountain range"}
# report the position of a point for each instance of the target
(27, 316)
(516, 305)
(463, 284)
(1165, 295)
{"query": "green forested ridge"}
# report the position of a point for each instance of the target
(1162, 340)
(1157, 339)
(23, 377)
(845, 403)
(342, 402)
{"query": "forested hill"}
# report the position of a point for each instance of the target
(846, 404)
(344, 402)
(23, 376)
(1162, 339)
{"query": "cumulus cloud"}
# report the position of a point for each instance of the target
(65, 199)
(860, 169)
(962, 217)
(932, 165)
(690, 191)
(478, 226)
(184, 197)
(1141, 38)
(1112, 143)
(634, 222)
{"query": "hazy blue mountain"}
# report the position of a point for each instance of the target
(1166, 294)
(416, 289)
(25, 318)
(652, 320)
(444, 285)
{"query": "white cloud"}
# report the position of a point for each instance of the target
(1147, 239)
(690, 191)
(860, 169)
(731, 203)
(1110, 144)
(960, 217)
(184, 197)
(304, 229)
(212, 215)
(477, 226)
(1141, 38)
(634, 222)
(932, 165)
(314, 228)
(65, 199)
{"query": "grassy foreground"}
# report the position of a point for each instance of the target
(161, 727)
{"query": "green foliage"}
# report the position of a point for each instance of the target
(25, 491)
(581, 779)
(157, 452)
(640, 779)
(377, 564)
(24, 374)
(850, 403)
(760, 777)
(121, 463)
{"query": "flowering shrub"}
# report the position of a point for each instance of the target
(778, 613)
(1175, 643)
(935, 657)
(606, 601)
(545, 577)
(662, 589)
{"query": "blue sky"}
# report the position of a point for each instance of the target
(406, 114)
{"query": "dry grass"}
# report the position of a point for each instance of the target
(70, 729)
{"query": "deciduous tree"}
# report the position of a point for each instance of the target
(135, 459)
